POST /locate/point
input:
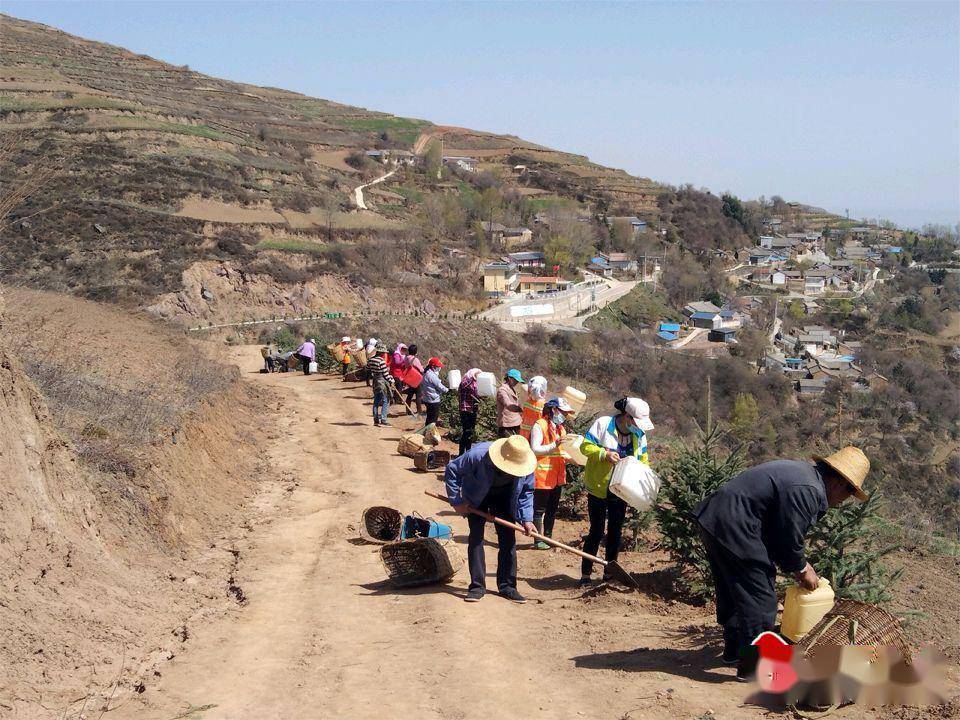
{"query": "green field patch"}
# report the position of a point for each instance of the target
(411, 194)
(296, 246)
(19, 104)
(401, 129)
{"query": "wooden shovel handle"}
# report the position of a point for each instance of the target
(514, 526)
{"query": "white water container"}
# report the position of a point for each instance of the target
(570, 444)
(486, 384)
(313, 367)
(453, 379)
(635, 483)
(576, 398)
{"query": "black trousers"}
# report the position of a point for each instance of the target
(413, 395)
(545, 504)
(505, 432)
(433, 412)
(468, 423)
(611, 512)
(497, 502)
(746, 595)
(304, 364)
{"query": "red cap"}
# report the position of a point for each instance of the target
(435, 361)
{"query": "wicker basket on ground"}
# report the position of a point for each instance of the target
(380, 524)
(427, 460)
(410, 445)
(855, 623)
(423, 561)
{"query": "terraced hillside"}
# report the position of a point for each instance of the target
(163, 175)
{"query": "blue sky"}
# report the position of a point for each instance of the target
(847, 106)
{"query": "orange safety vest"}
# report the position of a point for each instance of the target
(346, 353)
(552, 468)
(532, 411)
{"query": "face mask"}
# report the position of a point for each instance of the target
(559, 418)
(635, 430)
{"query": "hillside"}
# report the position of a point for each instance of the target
(124, 477)
(162, 173)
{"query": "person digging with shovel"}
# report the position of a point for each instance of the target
(495, 477)
(757, 521)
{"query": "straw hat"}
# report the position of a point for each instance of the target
(852, 464)
(513, 455)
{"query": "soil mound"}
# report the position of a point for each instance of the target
(119, 480)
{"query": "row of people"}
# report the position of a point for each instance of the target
(523, 479)
(753, 524)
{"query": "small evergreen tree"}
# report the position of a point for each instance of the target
(688, 476)
(744, 418)
(844, 548)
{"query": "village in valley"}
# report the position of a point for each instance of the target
(801, 272)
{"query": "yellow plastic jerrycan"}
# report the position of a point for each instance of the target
(802, 609)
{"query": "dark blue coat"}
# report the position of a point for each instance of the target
(763, 513)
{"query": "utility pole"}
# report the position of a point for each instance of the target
(709, 405)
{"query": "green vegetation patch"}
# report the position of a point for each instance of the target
(400, 129)
(19, 104)
(296, 246)
(411, 194)
(641, 306)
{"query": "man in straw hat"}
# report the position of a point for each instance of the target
(496, 477)
(757, 521)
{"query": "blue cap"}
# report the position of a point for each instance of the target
(515, 374)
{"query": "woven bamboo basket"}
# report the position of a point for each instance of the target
(380, 524)
(427, 460)
(855, 623)
(336, 351)
(410, 445)
(423, 561)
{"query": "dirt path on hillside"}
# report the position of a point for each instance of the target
(321, 633)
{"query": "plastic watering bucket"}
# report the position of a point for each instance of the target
(486, 384)
(416, 526)
(635, 483)
(575, 397)
(802, 609)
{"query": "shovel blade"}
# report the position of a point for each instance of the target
(616, 572)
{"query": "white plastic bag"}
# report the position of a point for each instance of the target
(312, 368)
(635, 483)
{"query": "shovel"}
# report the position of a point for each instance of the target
(612, 569)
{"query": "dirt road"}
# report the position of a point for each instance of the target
(322, 635)
(358, 191)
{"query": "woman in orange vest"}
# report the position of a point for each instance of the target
(345, 362)
(551, 473)
(532, 407)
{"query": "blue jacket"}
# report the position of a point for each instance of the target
(432, 387)
(470, 477)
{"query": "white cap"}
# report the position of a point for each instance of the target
(372, 341)
(563, 405)
(345, 338)
(640, 412)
